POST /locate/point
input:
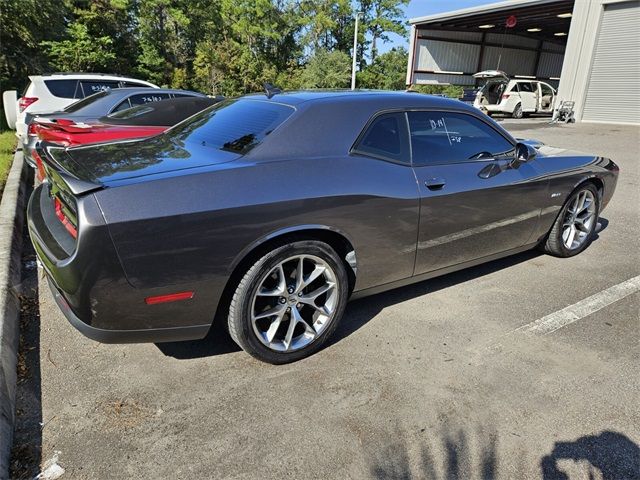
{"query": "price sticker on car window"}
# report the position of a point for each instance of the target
(441, 124)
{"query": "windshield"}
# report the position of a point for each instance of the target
(233, 125)
(74, 107)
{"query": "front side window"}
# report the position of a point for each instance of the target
(546, 89)
(235, 126)
(385, 138)
(525, 87)
(449, 137)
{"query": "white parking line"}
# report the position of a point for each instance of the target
(568, 315)
(557, 320)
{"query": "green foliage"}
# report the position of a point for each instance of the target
(381, 17)
(23, 25)
(388, 71)
(327, 70)
(80, 52)
(227, 47)
(452, 91)
(7, 146)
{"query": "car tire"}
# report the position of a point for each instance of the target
(517, 112)
(573, 231)
(274, 315)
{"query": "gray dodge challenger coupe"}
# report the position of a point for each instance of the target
(271, 211)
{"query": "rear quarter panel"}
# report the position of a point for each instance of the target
(195, 227)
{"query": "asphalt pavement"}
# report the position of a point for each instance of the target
(436, 380)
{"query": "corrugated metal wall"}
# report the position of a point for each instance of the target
(613, 94)
(447, 56)
(436, 56)
(511, 40)
(512, 61)
(550, 65)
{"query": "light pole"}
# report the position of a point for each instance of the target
(355, 53)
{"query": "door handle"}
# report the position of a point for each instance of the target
(435, 183)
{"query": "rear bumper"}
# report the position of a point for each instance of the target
(154, 335)
(498, 108)
(89, 285)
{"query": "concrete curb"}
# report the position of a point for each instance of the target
(12, 213)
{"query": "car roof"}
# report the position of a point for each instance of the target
(401, 98)
(88, 76)
(108, 99)
(130, 90)
(341, 116)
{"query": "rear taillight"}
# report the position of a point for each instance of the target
(24, 102)
(64, 219)
(40, 173)
(505, 96)
(32, 129)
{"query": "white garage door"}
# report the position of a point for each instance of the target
(613, 94)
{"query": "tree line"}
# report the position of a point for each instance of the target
(220, 47)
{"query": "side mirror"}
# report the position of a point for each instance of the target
(525, 153)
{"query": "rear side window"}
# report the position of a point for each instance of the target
(90, 87)
(448, 137)
(74, 107)
(63, 88)
(234, 125)
(385, 138)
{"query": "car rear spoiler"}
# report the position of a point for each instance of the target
(59, 165)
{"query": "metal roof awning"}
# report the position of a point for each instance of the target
(540, 15)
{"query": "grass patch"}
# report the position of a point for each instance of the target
(8, 141)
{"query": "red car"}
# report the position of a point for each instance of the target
(136, 122)
(70, 134)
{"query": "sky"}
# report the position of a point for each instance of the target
(420, 8)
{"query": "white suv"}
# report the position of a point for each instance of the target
(50, 93)
(514, 97)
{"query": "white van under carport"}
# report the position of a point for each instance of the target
(515, 97)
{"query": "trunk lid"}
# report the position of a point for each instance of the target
(499, 74)
(111, 162)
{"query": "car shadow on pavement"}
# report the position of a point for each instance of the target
(217, 342)
(358, 313)
(361, 311)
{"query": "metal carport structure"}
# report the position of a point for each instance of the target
(590, 49)
(449, 48)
